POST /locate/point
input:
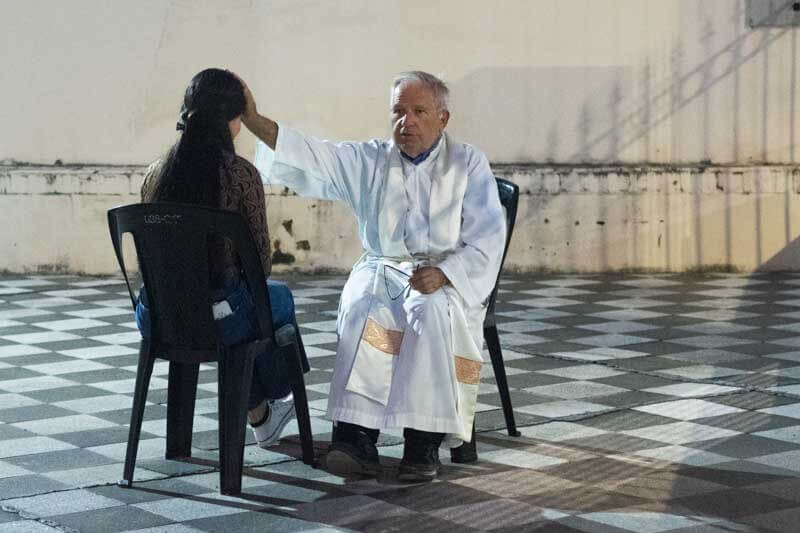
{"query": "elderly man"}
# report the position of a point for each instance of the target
(411, 313)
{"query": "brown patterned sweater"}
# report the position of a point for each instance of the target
(243, 192)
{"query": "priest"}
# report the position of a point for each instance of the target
(410, 322)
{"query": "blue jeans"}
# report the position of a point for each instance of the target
(270, 375)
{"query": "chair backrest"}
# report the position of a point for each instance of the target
(172, 245)
(509, 198)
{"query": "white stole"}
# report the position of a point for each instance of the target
(371, 374)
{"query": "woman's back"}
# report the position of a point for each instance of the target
(242, 191)
(202, 167)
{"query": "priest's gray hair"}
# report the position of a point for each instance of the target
(439, 88)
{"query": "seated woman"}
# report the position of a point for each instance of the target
(202, 168)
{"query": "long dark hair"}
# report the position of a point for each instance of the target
(190, 172)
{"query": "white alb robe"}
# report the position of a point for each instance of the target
(405, 359)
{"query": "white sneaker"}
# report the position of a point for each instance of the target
(281, 411)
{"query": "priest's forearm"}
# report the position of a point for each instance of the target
(263, 128)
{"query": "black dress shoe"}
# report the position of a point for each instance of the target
(466, 453)
(420, 456)
(353, 451)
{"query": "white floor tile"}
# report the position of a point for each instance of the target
(23, 313)
(520, 458)
(642, 521)
(786, 434)
(310, 339)
(680, 433)
(72, 293)
(42, 337)
(148, 449)
(127, 337)
(100, 312)
(555, 292)
(63, 502)
(583, 372)
(686, 390)
(323, 325)
(683, 455)
(126, 386)
(99, 404)
(546, 302)
(574, 390)
(611, 340)
(524, 326)
(9, 470)
(601, 354)
(99, 475)
(66, 367)
(630, 315)
(617, 326)
(16, 350)
(563, 408)
(560, 431)
(789, 460)
(648, 282)
(703, 372)
(96, 352)
(33, 384)
(715, 328)
(43, 303)
(31, 445)
(12, 401)
(71, 324)
(64, 424)
(688, 409)
(181, 509)
(791, 410)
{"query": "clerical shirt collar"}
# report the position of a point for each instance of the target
(424, 155)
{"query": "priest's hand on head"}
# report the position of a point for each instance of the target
(250, 113)
(428, 279)
(262, 127)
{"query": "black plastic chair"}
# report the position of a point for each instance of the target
(509, 198)
(466, 453)
(171, 243)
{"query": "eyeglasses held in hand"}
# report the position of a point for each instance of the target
(394, 294)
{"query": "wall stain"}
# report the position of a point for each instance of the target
(279, 257)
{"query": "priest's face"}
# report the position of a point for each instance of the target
(416, 119)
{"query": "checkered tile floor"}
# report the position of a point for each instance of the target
(646, 403)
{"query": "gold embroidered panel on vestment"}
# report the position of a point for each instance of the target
(385, 340)
(467, 370)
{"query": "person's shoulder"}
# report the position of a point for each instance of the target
(469, 149)
(243, 168)
(476, 159)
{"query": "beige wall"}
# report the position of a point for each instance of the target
(581, 219)
(669, 81)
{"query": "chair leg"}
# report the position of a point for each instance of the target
(143, 373)
(302, 349)
(234, 376)
(301, 411)
(294, 364)
(181, 394)
(493, 343)
(467, 452)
